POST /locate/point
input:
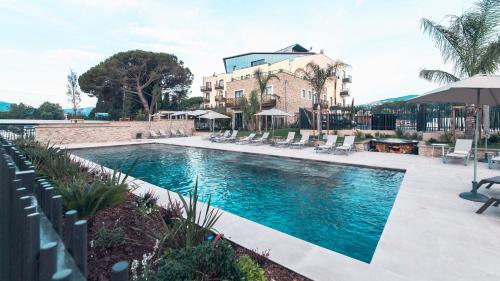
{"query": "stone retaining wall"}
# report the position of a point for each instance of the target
(106, 132)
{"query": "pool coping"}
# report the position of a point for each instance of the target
(419, 240)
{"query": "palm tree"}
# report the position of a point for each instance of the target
(317, 77)
(263, 79)
(471, 42)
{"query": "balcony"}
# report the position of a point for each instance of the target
(220, 98)
(347, 79)
(206, 100)
(269, 101)
(345, 93)
(206, 88)
(232, 102)
(219, 86)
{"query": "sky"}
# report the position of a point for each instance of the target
(40, 41)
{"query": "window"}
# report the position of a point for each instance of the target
(315, 99)
(221, 83)
(238, 94)
(268, 91)
(257, 62)
(310, 94)
(303, 94)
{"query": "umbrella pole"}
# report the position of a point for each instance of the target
(473, 195)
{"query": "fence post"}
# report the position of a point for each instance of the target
(80, 245)
(32, 246)
(69, 222)
(119, 271)
(48, 261)
(56, 212)
(62, 275)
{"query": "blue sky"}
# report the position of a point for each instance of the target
(40, 41)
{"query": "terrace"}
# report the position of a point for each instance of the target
(428, 219)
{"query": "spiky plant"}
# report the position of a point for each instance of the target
(471, 42)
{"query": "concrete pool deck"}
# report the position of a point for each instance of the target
(431, 233)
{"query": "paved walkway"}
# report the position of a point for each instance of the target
(431, 233)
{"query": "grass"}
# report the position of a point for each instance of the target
(277, 132)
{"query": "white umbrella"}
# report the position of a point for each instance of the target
(178, 113)
(212, 115)
(197, 112)
(273, 112)
(479, 90)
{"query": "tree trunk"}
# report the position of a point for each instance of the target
(469, 121)
(143, 99)
(318, 119)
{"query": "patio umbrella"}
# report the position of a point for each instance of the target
(212, 115)
(273, 112)
(197, 112)
(479, 90)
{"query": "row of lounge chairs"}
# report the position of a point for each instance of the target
(329, 146)
(162, 134)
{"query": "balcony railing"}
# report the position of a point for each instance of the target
(267, 101)
(206, 100)
(347, 79)
(345, 93)
(220, 98)
(219, 86)
(233, 102)
(206, 88)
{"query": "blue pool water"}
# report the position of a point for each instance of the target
(341, 208)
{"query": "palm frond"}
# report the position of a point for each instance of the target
(437, 76)
(447, 41)
(490, 59)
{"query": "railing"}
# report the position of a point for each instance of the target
(267, 101)
(345, 93)
(220, 98)
(219, 86)
(14, 132)
(233, 102)
(31, 217)
(206, 100)
(406, 117)
(347, 79)
(206, 88)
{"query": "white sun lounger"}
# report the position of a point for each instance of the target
(495, 159)
(303, 140)
(216, 138)
(347, 146)
(331, 140)
(262, 139)
(153, 134)
(288, 141)
(462, 150)
(246, 139)
(232, 138)
(163, 134)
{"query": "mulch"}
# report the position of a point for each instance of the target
(137, 243)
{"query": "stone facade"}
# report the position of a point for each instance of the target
(288, 98)
(106, 132)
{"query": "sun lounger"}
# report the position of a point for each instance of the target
(226, 134)
(489, 182)
(153, 134)
(331, 140)
(246, 139)
(173, 133)
(232, 138)
(163, 134)
(347, 146)
(303, 140)
(462, 150)
(262, 139)
(288, 141)
(495, 159)
(492, 201)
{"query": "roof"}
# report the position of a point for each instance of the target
(295, 48)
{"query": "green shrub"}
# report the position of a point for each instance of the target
(359, 135)
(109, 237)
(202, 262)
(250, 270)
(399, 134)
(446, 137)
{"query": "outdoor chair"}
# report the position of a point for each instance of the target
(173, 133)
(331, 140)
(232, 138)
(224, 136)
(246, 139)
(495, 159)
(263, 139)
(288, 141)
(153, 134)
(347, 146)
(492, 201)
(303, 140)
(163, 134)
(462, 150)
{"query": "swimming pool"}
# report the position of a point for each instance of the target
(341, 208)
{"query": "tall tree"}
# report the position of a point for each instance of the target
(471, 42)
(317, 77)
(135, 73)
(49, 111)
(73, 92)
(262, 81)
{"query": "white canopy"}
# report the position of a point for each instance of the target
(178, 113)
(197, 112)
(479, 89)
(213, 115)
(272, 112)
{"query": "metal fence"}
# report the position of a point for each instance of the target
(13, 132)
(405, 117)
(31, 216)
